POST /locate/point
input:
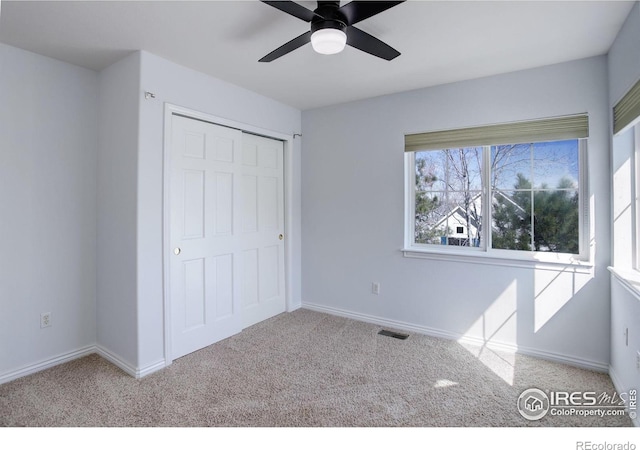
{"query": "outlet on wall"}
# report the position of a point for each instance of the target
(45, 320)
(375, 288)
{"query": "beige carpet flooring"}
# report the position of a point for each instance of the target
(303, 369)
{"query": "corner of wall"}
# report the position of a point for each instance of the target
(117, 206)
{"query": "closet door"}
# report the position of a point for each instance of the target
(205, 217)
(226, 232)
(262, 228)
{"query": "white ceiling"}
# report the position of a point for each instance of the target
(440, 41)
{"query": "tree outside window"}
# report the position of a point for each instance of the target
(534, 194)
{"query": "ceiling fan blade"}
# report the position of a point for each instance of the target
(358, 11)
(294, 9)
(369, 44)
(290, 46)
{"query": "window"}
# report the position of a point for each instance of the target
(635, 231)
(626, 128)
(522, 199)
(626, 189)
(448, 192)
(626, 199)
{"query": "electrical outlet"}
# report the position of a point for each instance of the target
(45, 320)
(375, 288)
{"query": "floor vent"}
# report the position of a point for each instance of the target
(393, 334)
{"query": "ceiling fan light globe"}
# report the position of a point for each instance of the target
(328, 41)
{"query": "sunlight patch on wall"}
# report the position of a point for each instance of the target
(622, 190)
(498, 323)
(622, 210)
(553, 290)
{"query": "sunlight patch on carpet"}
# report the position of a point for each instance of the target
(444, 383)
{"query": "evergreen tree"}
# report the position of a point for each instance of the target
(555, 218)
(512, 217)
(556, 221)
(426, 205)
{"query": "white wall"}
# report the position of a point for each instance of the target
(625, 314)
(624, 71)
(86, 200)
(353, 218)
(117, 210)
(180, 86)
(48, 148)
(624, 58)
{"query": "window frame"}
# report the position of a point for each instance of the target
(635, 204)
(487, 255)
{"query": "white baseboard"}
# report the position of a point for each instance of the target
(135, 372)
(79, 353)
(151, 368)
(556, 357)
(46, 364)
(116, 360)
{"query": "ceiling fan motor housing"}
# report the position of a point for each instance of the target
(328, 16)
(322, 24)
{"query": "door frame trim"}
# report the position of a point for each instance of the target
(287, 139)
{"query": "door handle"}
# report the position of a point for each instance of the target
(176, 251)
(281, 236)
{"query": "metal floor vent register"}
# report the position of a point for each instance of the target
(393, 334)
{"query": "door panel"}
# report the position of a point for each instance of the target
(226, 221)
(222, 206)
(250, 285)
(250, 200)
(203, 194)
(263, 223)
(193, 204)
(223, 282)
(269, 203)
(269, 272)
(194, 300)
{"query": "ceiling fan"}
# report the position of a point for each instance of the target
(332, 28)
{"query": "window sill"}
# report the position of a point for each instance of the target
(479, 257)
(630, 279)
